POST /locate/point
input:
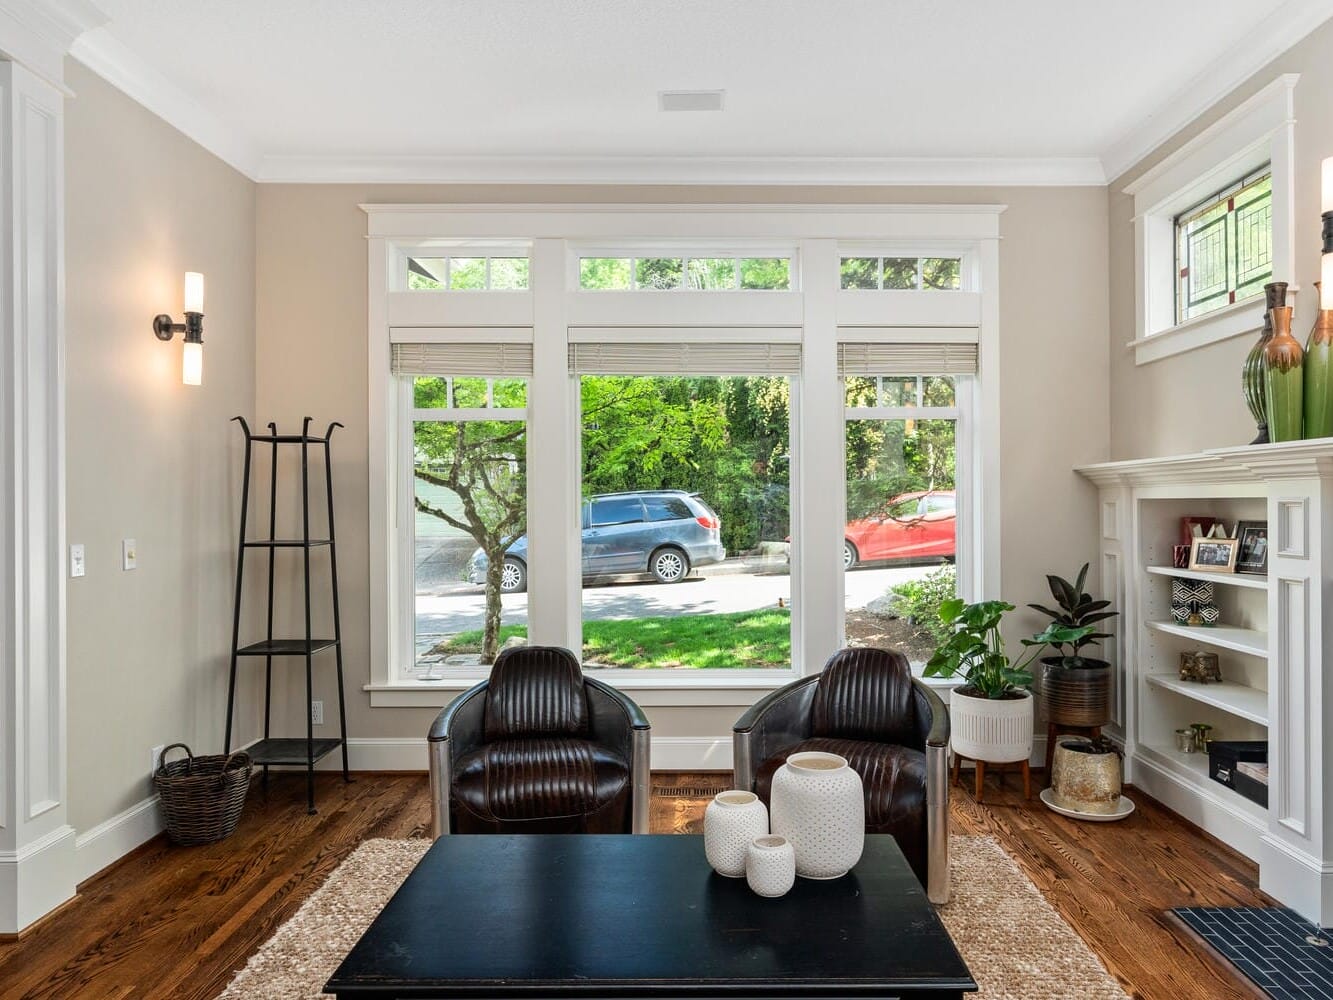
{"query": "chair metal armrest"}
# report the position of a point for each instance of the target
(937, 796)
(455, 731)
(615, 719)
(938, 734)
(775, 721)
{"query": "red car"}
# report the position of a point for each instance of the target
(914, 526)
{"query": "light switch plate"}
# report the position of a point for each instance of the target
(129, 557)
(76, 563)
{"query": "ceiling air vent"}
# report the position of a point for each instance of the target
(690, 100)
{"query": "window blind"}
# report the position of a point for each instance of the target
(684, 359)
(907, 359)
(485, 360)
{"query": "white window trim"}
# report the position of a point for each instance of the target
(557, 232)
(1259, 131)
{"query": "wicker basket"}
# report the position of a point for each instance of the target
(202, 797)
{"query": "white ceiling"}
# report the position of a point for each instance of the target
(344, 88)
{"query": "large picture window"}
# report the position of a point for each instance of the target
(679, 487)
(685, 516)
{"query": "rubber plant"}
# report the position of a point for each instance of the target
(1077, 610)
(975, 648)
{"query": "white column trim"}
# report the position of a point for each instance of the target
(36, 841)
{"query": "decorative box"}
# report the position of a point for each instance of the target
(1224, 760)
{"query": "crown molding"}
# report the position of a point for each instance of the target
(37, 34)
(137, 79)
(688, 170)
(1278, 33)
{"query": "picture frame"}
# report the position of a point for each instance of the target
(1214, 555)
(1252, 548)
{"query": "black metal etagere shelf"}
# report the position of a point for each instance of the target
(280, 751)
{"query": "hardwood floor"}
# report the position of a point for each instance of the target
(174, 922)
(177, 922)
(1114, 882)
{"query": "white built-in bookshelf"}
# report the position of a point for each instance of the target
(1271, 642)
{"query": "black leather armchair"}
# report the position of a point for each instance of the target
(894, 731)
(539, 748)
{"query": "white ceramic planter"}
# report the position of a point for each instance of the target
(732, 820)
(996, 730)
(770, 866)
(819, 805)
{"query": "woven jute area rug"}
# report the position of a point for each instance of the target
(1014, 942)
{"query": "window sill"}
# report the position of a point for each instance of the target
(1223, 324)
(722, 689)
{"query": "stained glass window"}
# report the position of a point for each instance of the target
(1224, 247)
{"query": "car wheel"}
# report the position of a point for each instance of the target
(850, 557)
(513, 577)
(669, 565)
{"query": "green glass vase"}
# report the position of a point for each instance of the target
(1284, 371)
(1319, 376)
(1252, 374)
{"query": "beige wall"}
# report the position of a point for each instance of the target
(311, 359)
(1193, 401)
(149, 458)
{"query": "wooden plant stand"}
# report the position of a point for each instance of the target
(999, 768)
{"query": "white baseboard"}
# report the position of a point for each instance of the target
(108, 842)
(36, 879)
(691, 753)
(367, 753)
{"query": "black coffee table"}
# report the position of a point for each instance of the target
(644, 917)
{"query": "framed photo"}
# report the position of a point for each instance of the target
(1214, 555)
(1252, 556)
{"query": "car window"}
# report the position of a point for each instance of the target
(904, 510)
(940, 503)
(666, 508)
(616, 510)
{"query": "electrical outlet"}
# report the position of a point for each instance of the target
(76, 564)
(129, 557)
(157, 756)
(317, 713)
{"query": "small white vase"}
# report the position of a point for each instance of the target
(731, 821)
(770, 866)
(819, 805)
(996, 730)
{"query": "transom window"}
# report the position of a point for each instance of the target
(471, 273)
(669, 273)
(1224, 247)
(906, 273)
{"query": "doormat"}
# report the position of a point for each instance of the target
(1275, 948)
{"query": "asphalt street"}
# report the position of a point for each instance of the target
(462, 609)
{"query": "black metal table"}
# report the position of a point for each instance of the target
(623, 916)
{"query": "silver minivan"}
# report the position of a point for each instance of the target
(662, 533)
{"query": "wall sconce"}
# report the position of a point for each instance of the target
(192, 359)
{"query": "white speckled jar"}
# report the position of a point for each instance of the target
(819, 805)
(770, 866)
(731, 821)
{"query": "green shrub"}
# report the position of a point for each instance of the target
(918, 601)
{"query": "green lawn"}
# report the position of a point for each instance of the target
(743, 639)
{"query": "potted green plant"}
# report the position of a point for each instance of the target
(1075, 688)
(991, 714)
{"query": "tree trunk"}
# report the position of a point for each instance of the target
(490, 636)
